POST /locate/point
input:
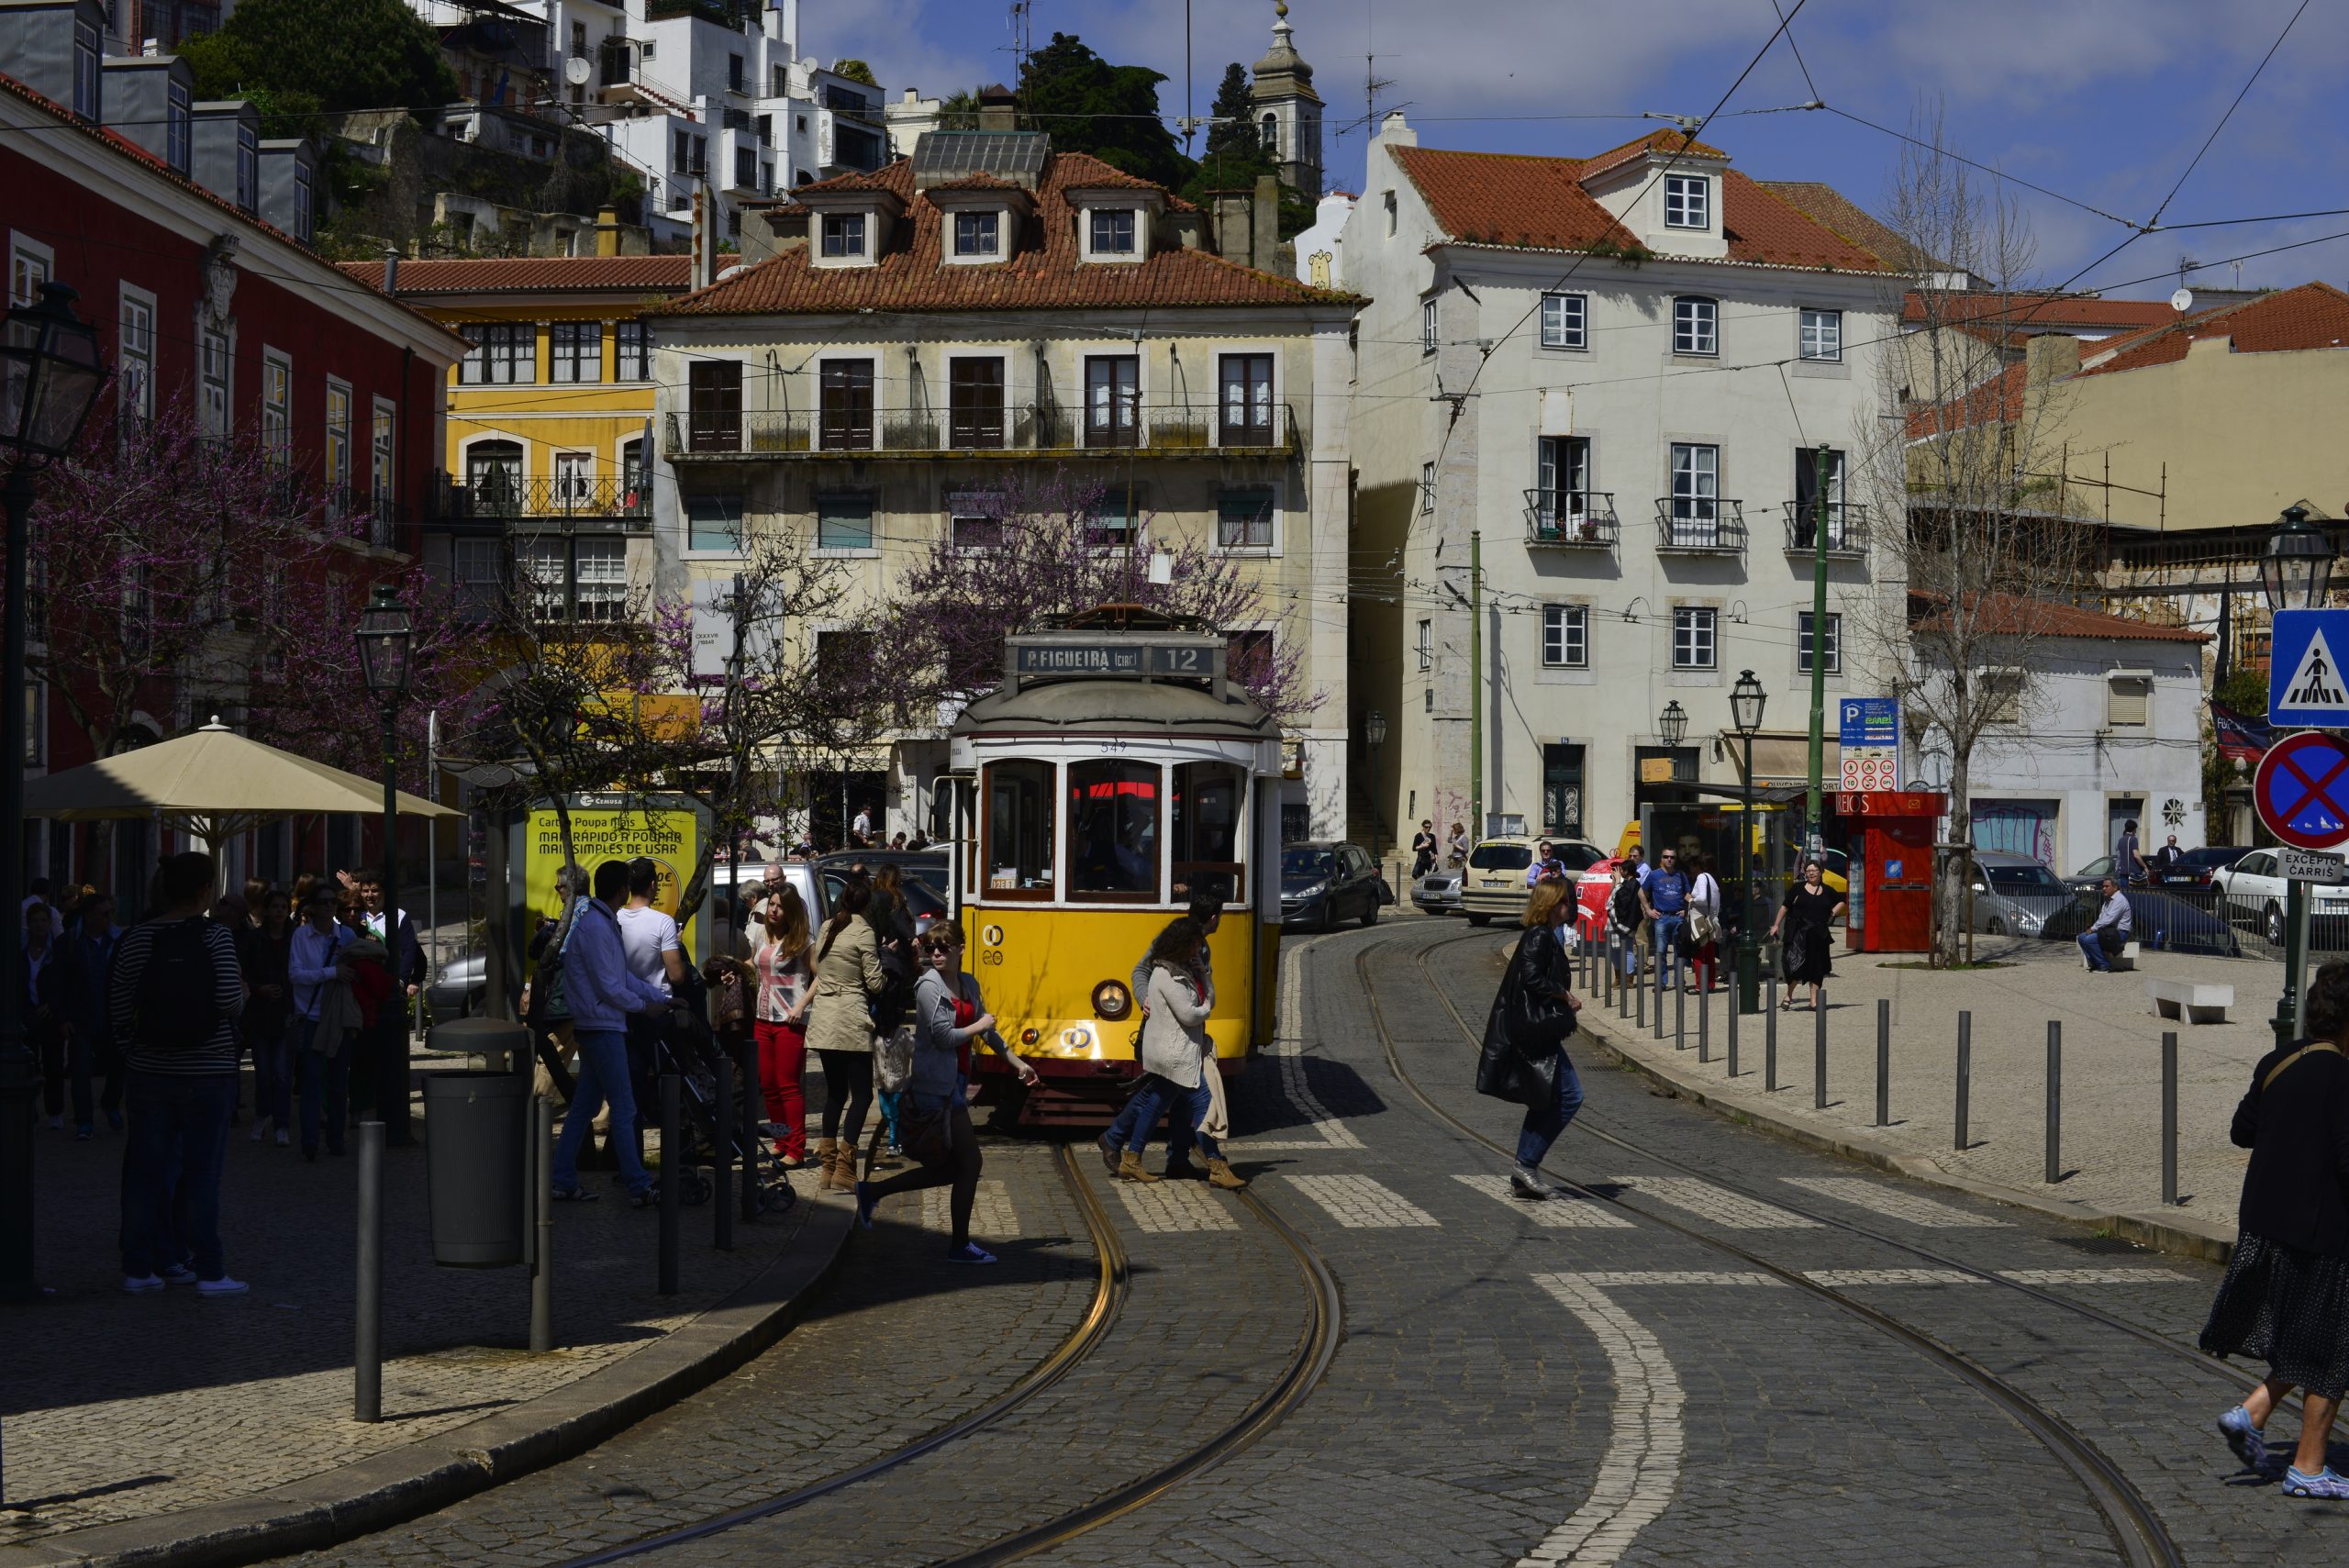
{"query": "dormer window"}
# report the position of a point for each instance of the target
(177, 127)
(1113, 231)
(1687, 202)
(978, 235)
(844, 236)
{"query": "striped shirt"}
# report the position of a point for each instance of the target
(218, 1054)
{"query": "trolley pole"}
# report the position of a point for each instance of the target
(1814, 806)
(1477, 682)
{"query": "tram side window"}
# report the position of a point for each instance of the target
(1019, 831)
(1113, 831)
(1206, 828)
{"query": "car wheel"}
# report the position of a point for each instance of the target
(1370, 907)
(1329, 921)
(1478, 919)
(476, 1003)
(2274, 924)
(1997, 928)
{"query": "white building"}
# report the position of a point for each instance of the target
(1612, 374)
(2108, 730)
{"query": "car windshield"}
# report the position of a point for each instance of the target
(2024, 879)
(1501, 857)
(1578, 857)
(2097, 867)
(1306, 862)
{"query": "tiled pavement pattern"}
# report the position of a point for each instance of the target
(1556, 1214)
(1893, 1203)
(1716, 1204)
(993, 1218)
(1360, 1204)
(125, 1407)
(1160, 1208)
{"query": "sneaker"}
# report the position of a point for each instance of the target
(2243, 1438)
(969, 1252)
(864, 1202)
(561, 1195)
(141, 1284)
(650, 1198)
(84, 1132)
(260, 1129)
(1527, 1184)
(285, 1139)
(224, 1285)
(114, 1121)
(57, 1124)
(2324, 1483)
(179, 1274)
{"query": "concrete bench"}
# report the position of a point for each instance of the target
(2125, 959)
(2194, 1003)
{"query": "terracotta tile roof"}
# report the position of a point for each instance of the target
(1494, 198)
(2313, 315)
(1665, 142)
(1998, 399)
(2013, 615)
(2024, 313)
(912, 276)
(534, 274)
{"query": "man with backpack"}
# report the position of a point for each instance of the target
(175, 997)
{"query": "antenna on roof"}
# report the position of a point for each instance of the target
(1373, 83)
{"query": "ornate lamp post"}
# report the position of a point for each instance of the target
(1374, 730)
(2296, 574)
(49, 377)
(385, 635)
(1746, 700)
(1672, 723)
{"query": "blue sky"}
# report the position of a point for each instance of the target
(2103, 101)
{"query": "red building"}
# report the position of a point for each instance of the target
(184, 233)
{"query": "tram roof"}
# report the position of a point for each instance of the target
(1116, 705)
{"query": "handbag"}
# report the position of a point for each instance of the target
(1525, 1031)
(893, 1059)
(923, 1135)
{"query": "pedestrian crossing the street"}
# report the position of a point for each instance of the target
(1557, 1214)
(992, 1215)
(1730, 1211)
(1894, 1204)
(1360, 1204)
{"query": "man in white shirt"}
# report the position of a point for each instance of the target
(648, 936)
(861, 830)
(2110, 932)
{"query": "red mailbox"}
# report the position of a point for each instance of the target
(1892, 890)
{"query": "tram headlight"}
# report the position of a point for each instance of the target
(1029, 1037)
(1112, 1001)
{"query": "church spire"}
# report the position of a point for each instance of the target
(1287, 110)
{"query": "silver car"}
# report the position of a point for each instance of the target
(1437, 893)
(2015, 894)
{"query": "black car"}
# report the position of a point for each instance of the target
(1322, 883)
(2196, 867)
(2159, 922)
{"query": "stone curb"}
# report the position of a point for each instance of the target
(402, 1483)
(2164, 1233)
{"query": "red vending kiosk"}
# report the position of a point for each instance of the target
(1892, 872)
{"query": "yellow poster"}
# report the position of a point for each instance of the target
(667, 836)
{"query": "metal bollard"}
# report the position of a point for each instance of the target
(673, 1170)
(721, 1197)
(542, 1259)
(1818, 1051)
(1659, 998)
(1735, 980)
(1640, 1006)
(2169, 1117)
(1704, 1023)
(1884, 1062)
(1965, 1072)
(1770, 1036)
(1606, 986)
(754, 1147)
(1679, 1017)
(367, 1359)
(2054, 1099)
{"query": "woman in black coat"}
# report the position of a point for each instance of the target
(2286, 1296)
(1525, 1038)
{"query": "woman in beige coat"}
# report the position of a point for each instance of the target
(1177, 1055)
(839, 1031)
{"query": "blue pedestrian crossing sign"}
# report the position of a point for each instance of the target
(2306, 683)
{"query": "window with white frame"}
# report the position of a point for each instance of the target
(1427, 326)
(1426, 488)
(212, 382)
(302, 203)
(1116, 516)
(575, 352)
(1696, 325)
(277, 409)
(1687, 201)
(633, 352)
(1566, 637)
(1822, 335)
(85, 71)
(978, 234)
(29, 267)
(178, 127)
(844, 520)
(599, 568)
(475, 573)
(1696, 482)
(505, 353)
(1693, 629)
(383, 458)
(713, 520)
(338, 445)
(1243, 518)
(1112, 231)
(2128, 702)
(135, 351)
(2001, 695)
(543, 564)
(844, 234)
(1830, 646)
(1565, 320)
(575, 480)
(1426, 646)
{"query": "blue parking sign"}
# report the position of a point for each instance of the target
(1872, 723)
(2306, 686)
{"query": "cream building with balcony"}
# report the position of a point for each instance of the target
(989, 306)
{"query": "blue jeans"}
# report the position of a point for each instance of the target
(1122, 1132)
(1667, 946)
(602, 1075)
(1189, 1109)
(2093, 950)
(1544, 1123)
(171, 1171)
(326, 1089)
(889, 1101)
(1626, 952)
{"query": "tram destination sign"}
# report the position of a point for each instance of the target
(1136, 660)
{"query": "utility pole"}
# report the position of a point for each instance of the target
(1814, 812)
(1475, 684)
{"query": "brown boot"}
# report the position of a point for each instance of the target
(843, 1179)
(1221, 1174)
(827, 1150)
(1130, 1169)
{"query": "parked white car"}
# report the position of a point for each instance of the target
(2256, 896)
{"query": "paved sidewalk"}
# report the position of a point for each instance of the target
(222, 1431)
(2110, 1149)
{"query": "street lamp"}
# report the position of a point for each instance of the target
(1673, 723)
(2296, 569)
(1374, 730)
(1746, 700)
(49, 376)
(385, 637)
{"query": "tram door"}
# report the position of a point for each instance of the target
(1265, 883)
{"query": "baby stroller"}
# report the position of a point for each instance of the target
(688, 1047)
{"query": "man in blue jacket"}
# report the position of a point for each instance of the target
(1665, 897)
(601, 992)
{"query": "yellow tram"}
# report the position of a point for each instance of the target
(1114, 773)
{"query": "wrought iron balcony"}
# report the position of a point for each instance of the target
(852, 431)
(1847, 527)
(495, 496)
(1699, 525)
(363, 514)
(1572, 519)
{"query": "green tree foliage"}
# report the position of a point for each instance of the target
(960, 111)
(856, 70)
(333, 55)
(1110, 111)
(1232, 137)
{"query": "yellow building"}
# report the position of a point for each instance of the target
(549, 423)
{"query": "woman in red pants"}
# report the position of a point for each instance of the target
(786, 979)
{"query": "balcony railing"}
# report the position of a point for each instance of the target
(1572, 519)
(495, 497)
(1699, 525)
(363, 514)
(1847, 527)
(1171, 430)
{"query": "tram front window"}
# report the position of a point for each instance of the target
(1113, 831)
(1019, 831)
(1207, 830)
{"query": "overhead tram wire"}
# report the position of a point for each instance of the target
(2155, 221)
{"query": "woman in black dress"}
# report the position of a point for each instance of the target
(1804, 920)
(2286, 1296)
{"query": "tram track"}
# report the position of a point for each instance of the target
(2135, 1529)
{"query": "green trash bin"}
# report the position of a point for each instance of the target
(476, 1135)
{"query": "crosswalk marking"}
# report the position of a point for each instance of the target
(1730, 1211)
(1287, 1051)
(1891, 1277)
(1360, 1204)
(1834, 1277)
(1894, 1204)
(1670, 1277)
(1167, 1207)
(2095, 1276)
(1641, 1469)
(1557, 1213)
